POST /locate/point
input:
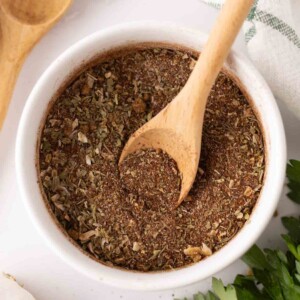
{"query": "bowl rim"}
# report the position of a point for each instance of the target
(165, 279)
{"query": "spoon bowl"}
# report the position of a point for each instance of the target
(167, 139)
(34, 12)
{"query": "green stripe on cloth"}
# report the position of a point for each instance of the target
(252, 30)
(215, 5)
(279, 25)
(250, 33)
(252, 11)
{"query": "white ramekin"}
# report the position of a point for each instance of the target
(51, 80)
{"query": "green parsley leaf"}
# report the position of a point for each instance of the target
(293, 175)
(224, 293)
(293, 226)
(255, 258)
(290, 244)
(246, 288)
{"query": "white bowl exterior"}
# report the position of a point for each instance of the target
(48, 84)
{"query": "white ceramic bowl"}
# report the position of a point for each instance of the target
(51, 80)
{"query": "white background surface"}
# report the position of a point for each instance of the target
(23, 252)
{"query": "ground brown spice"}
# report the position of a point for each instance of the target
(153, 176)
(82, 139)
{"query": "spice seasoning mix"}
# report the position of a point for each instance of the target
(83, 137)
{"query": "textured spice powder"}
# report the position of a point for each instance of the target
(153, 176)
(83, 137)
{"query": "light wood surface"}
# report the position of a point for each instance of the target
(177, 129)
(22, 24)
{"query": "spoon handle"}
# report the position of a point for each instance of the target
(17, 41)
(216, 50)
(9, 74)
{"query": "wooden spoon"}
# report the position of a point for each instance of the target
(22, 24)
(177, 129)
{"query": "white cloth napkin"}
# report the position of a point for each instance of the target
(272, 34)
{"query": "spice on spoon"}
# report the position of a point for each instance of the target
(152, 175)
